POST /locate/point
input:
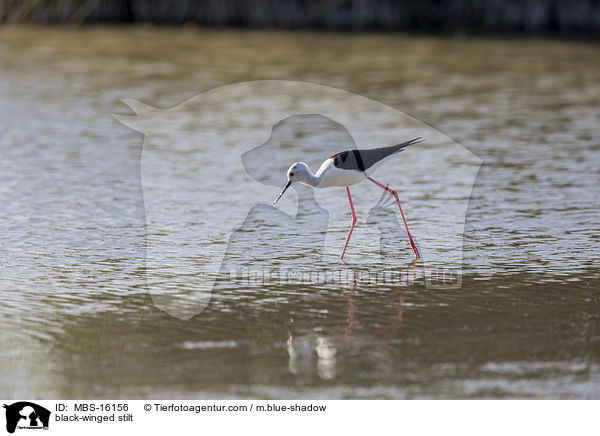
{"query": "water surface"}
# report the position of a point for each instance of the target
(76, 316)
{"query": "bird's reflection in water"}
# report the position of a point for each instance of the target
(391, 318)
(391, 241)
(326, 352)
(330, 349)
(317, 351)
(351, 294)
(395, 320)
(301, 352)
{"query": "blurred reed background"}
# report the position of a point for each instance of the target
(580, 18)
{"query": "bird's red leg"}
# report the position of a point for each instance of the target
(395, 194)
(353, 222)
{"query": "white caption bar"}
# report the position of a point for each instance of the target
(266, 417)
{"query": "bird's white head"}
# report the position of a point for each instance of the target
(298, 172)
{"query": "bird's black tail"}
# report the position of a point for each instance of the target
(407, 143)
(362, 160)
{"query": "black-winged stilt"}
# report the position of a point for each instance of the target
(345, 169)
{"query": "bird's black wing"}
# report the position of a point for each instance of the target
(361, 160)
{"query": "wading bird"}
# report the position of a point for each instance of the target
(345, 169)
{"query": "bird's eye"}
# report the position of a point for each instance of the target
(291, 174)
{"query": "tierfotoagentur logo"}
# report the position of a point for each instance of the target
(25, 415)
(212, 166)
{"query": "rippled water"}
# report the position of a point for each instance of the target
(77, 317)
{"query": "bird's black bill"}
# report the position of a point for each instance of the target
(284, 189)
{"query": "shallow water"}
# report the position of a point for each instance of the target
(77, 317)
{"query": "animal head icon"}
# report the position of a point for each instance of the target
(26, 414)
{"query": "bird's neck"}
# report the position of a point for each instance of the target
(310, 179)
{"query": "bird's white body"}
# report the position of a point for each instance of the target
(330, 176)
